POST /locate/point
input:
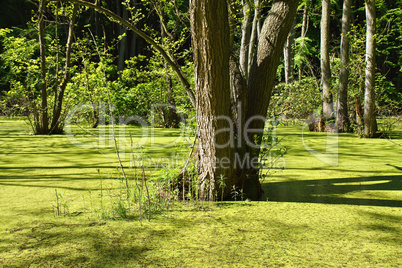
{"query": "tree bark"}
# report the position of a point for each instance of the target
(210, 35)
(245, 38)
(288, 54)
(261, 81)
(263, 72)
(370, 122)
(342, 118)
(328, 110)
(270, 46)
(255, 35)
(303, 35)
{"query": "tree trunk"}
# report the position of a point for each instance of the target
(288, 54)
(359, 113)
(42, 126)
(303, 35)
(328, 110)
(123, 42)
(228, 147)
(133, 45)
(370, 122)
(211, 34)
(56, 126)
(171, 118)
(245, 38)
(255, 35)
(342, 118)
(263, 72)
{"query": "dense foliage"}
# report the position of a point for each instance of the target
(110, 63)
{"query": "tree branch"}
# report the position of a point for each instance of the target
(161, 18)
(169, 59)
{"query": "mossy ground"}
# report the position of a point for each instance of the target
(312, 214)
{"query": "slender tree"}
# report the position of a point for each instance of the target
(342, 118)
(41, 118)
(247, 24)
(369, 118)
(288, 54)
(250, 33)
(170, 116)
(123, 42)
(56, 126)
(255, 34)
(303, 36)
(328, 110)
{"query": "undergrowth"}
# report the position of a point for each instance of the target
(136, 195)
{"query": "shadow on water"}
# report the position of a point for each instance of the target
(330, 191)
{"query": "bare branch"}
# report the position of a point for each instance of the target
(161, 18)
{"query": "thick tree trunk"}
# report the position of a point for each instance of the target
(342, 118)
(230, 133)
(211, 34)
(262, 79)
(370, 122)
(270, 46)
(328, 110)
(42, 126)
